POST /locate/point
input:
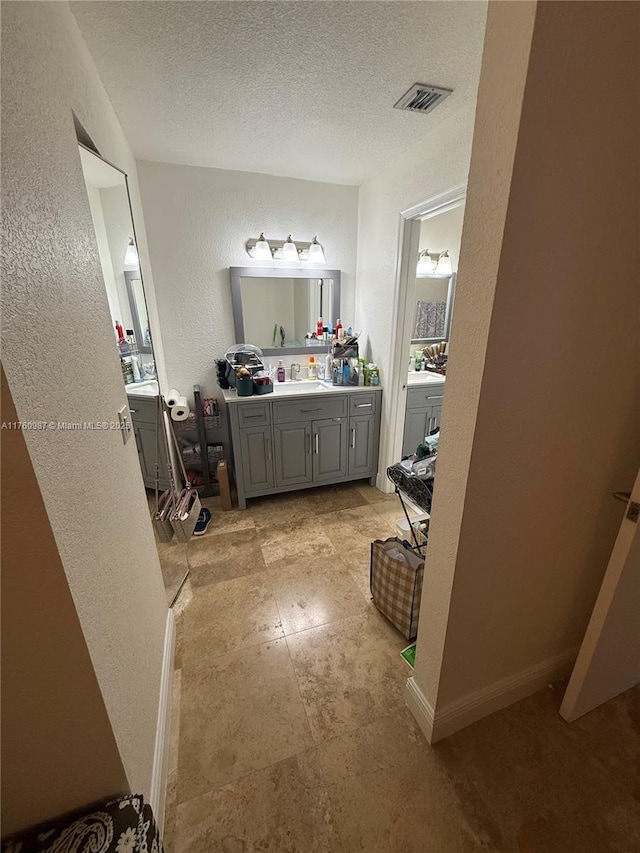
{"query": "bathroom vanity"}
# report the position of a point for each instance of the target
(143, 408)
(305, 434)
(425, 395)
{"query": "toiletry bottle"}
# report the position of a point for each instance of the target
(119, 332)
(319, 328)
(280, 371)
(328, 367)
(339, 329)
(418, 363)
(361, 371)
(375, 375)
(311, 368)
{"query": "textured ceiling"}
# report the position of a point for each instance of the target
(287, 88)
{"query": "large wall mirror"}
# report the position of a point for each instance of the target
(275, 309)
(434, 305)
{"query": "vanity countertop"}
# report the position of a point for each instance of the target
(148, 388)
(424, 377)
(299, 388)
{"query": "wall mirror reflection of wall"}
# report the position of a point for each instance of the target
(274, 309)
(111, 213)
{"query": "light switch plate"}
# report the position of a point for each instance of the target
(126, 427)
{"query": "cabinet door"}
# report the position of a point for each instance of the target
(329, 449)
(361, 444)
(257, 458)
(293, 454)
(436, 414)
(416, 426)
(145, 435)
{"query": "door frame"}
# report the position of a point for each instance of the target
(408, 248)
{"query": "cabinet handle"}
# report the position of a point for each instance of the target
(429, 425)
(248, 417)
(309, 444)
(363, 405)
(133, 411)
(353, 436)
(269, 450)
(311, 410)
(316, 437)
(429, 397)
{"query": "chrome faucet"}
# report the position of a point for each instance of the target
(295, 371)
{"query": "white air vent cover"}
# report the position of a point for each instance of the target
(422, 98)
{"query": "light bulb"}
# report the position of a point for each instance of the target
(131, 255)
(444, 264)
(316, 252)
(290, 250)
(425, 264)
(262, 250)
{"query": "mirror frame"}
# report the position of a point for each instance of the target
(238, 273)
(451, 292)
(129, 277)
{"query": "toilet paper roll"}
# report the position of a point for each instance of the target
(172, 397)
(180, 412)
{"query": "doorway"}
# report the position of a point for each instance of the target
(428, 253)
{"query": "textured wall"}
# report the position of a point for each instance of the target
(58, 748)
(198, 221)
(61, 363)
(556, 429)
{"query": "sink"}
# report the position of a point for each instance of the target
(300, 386)
(148, 388)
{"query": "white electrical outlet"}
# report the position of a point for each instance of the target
(126, 427)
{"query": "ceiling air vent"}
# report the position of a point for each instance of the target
(422, 98)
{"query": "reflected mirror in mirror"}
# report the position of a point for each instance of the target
(111, 213)
(275, 309)
(434, 303)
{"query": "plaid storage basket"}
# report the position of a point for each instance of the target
(396, 584)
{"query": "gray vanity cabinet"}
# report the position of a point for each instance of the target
(293, 454)
(329, 450)
(143, 411)
(424, 410)
(256, 450)
(286, 444)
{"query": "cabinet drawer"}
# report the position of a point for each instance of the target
(418, 398)
(253, 414)
(364, 404)
(143, 409)
(309, 409)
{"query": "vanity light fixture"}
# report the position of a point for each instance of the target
(131, 255)
(444, 264)
(434, 263)
(290, 250)
(262, 250)
(316, 252)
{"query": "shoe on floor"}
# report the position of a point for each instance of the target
(203, 522)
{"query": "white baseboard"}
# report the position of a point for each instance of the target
(474, 706)
(158, 791)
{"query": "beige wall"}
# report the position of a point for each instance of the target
(62, 365)
(58, 748)
(537, 430)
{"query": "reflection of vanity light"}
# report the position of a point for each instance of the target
(290, 250)
(316, 252)
(131, 255)
(434, 263)
(444, 264)
(262, 250)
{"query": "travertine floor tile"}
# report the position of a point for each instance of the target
(227, 616)
(240, 713)
(311, 592)
(282, 808)
(389, 792)
(230, 521)
(224, 556)
(174, 564)
(349, 674)
(304, 538)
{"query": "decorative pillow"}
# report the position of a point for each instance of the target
(125, 825)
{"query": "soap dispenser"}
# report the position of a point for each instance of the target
(311, 368)
(281, 374)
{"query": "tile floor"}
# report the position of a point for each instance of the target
(290, 733)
